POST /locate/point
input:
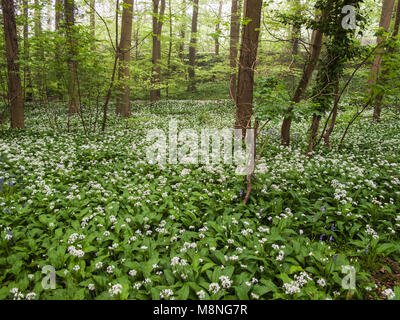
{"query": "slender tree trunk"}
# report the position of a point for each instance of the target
(58, 14)
(123, 97)
(217, 28)
(170, 47)
(328, 133)
(234, 43)
(14, 80)
(386, 16)
(182, 31)
(296, 32)
(303, 84)
(27, 72)
(247, 61)
(192, 47)
(158, 13)
(383, 78)
(93, 18)
(69, 7)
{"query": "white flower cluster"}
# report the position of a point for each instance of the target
(214, 288)
(371, 231)
(75, 236)
(176, 260)
(201, 294)
(226, 282)
(166, 293)
(76, 252)
(389, 294)
(115, 289)
(295, 286)
(17, 295)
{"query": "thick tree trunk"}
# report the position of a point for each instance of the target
(14, 80)
(386, 16)
(158, 13)
(383, 78)
(192, 47)
(234, 43)
(217, 28)
(247, 61)
(69, 7)
(123, 97)
(303, 84)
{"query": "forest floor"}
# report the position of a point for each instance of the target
(114, 226)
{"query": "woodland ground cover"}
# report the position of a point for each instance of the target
(115, 227)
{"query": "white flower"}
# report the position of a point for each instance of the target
(132, 273)
(91, 286)
(226, 282)
(175, 261)
(76, 267)
(115, 289)
(98, 265)
(166, 293)
(389, 294)
(30, 296)
(291, 288)
(110, 269)
(214, 287)
(321, 282)
(201, 294)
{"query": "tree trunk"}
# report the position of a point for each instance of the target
(234, 42)
(303, 84)
(169, 48)
(58, 14)
(383, 78)
(14, 80)
(192, 47)
(123, 97)
(247, 61)
(328, 133)
(93, 18)
(27, 72)
(158, 13)
(386, 16)
(69, 7)
(217, 28)
(182, 31)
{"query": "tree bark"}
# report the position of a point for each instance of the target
(123, 97)
(383, 78)
(69, 7)
(93, 18)
(182, 31)
(234, 42)
(58, 14)
(192, 47)
(14, 80)
(217, 28)
(386, 16)
(27, 72)
(247, 61)
(158, 13)
(303, 84)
